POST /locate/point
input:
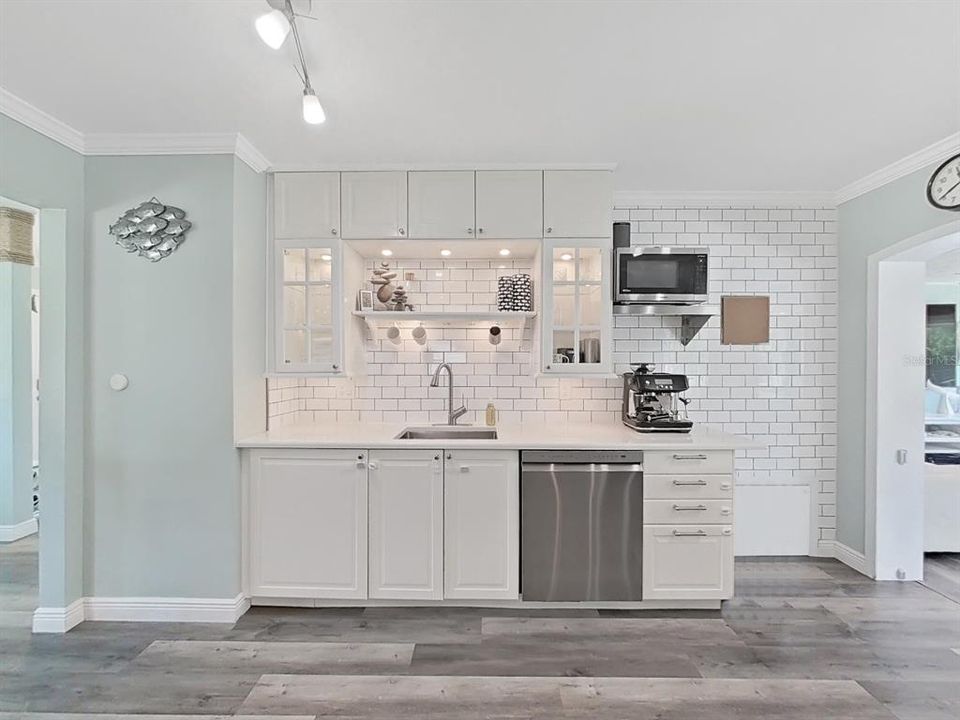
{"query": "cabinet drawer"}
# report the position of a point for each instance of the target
(687, 511)
(687, 562)
(682, 487)
(688, 461)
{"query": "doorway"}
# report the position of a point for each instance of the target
(895, 378)
(19, 409)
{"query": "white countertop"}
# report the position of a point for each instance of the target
(530, 436)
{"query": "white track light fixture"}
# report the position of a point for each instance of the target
(273, 28)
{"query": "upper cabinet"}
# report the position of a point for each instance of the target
(306, 205)
(441, 204)
(373, 204)
(509, 204)
(577, 203)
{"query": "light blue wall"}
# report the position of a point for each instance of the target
(867, 224)
(162, 473)
(37, 171)
(249, 299)
(16, 419)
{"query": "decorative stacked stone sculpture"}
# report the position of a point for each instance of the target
(390, 296)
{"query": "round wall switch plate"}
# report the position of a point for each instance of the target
(119, 382)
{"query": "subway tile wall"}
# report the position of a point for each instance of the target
(782, 393)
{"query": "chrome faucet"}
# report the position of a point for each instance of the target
(452, 414)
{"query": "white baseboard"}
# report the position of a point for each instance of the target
(850, 557)
(140, 609)
(164, 609)
(12, 533)
(58, 620)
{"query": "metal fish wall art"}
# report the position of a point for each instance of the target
(152, 230)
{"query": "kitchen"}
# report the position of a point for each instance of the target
(522, 384)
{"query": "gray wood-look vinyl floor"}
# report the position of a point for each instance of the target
(805, 639)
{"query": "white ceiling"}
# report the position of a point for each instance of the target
(683, 96)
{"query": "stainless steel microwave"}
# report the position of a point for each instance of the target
(664, 275)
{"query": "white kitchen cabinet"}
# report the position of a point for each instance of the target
(687, 562)
(509, 204)
(577, 203)
(308, 307)
(373, 204)
(481, 525)
(406, 524)
(306, 205)
(577, 314)
(307, 524)
(441, 204)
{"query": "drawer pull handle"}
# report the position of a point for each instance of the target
(689, 482)
(689, 507)
(464, 468)
(698, 456)
(687, 533)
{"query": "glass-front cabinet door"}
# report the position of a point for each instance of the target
(307, 285)
(577, 311)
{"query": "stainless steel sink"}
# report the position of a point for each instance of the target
(447, 432)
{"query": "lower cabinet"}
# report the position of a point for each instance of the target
(308, 523)
(481, 525)
(687, 562)
(406, 524)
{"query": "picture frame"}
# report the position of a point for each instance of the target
(365, 300)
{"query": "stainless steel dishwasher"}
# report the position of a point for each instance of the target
(581, 525)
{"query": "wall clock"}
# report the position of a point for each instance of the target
(943, 190)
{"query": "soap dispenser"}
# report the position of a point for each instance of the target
(491, 415)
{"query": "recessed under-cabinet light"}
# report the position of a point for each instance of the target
(326, 258)
(504, 252)
(386, 253)
(446, 253)
(566, 256)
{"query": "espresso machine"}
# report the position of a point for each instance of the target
(652, 401)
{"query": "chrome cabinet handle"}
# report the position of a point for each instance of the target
(725, 486)
(401, 231)
(690, 507)
(549, 229)
(469, 231)
(698, 456)
(360, 463)
(689, 482)
(373, 465)
(686, 533)
(333, 231)
(464, 468)
(436, 457)
(480, 231)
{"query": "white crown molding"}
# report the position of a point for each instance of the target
(12, 533)
(738, 199)
(401, 167)
(938, 151)
(131, 143)
(246, 152)
(36, 119)
(58, 620)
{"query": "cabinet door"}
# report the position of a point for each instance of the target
(373, 204)
(687, 562)
(577, 203)
(406, 524)
(308, 524)
(308, 330)
(509, 204)
(441, 204)
(481, 525)
(306, 205)
(577, 311)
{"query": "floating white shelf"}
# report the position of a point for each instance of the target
(379, 318)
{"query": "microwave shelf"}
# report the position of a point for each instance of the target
(692, 317)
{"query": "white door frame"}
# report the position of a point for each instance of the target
(898, 266)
